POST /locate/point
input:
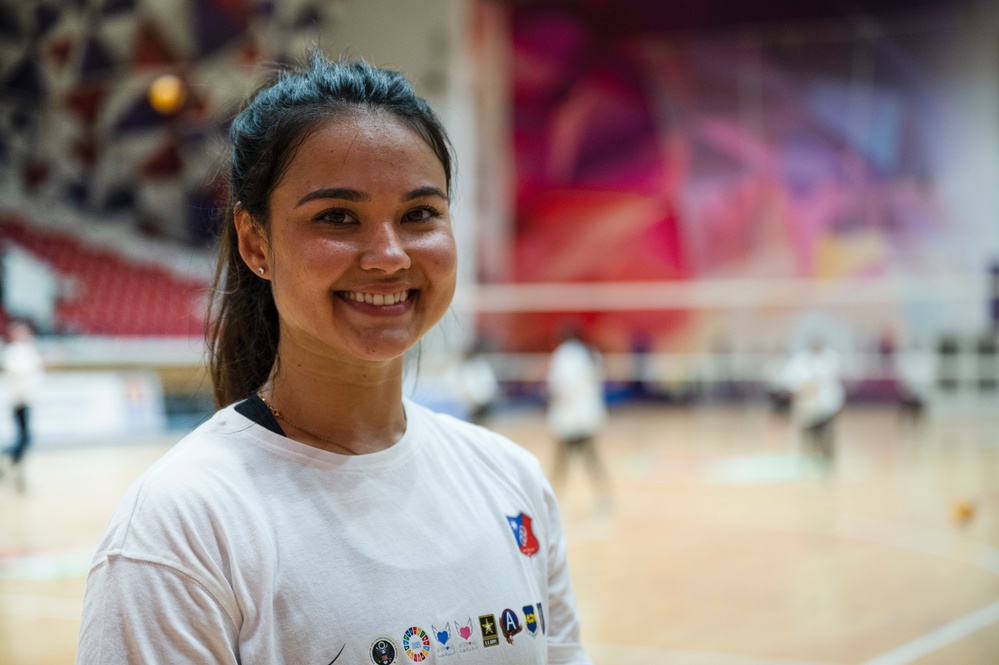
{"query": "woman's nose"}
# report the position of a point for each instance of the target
(384, 249)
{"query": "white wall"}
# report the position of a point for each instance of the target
(73, 408)
(29, 286)
(968, 147)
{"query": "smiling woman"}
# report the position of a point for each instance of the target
(319, 516)
(359, 215)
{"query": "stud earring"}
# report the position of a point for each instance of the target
(260, 270)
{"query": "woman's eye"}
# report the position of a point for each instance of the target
(335, 216)
(421, 214)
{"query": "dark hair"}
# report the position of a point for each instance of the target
(242, 330)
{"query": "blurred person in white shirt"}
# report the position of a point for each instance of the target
(23, 367)
(576, 407)
(477, 383)
(915, 369)
(817, 396)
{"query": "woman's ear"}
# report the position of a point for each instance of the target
(252, 243)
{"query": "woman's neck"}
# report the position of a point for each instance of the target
(337, 405)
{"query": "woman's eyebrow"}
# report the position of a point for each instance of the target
(347, 194)
(420, 192)
(342, 193)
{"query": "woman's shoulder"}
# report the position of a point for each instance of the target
(210, 443)
(463, 438)
(202, 474)
(192, 509)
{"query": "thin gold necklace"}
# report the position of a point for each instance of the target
(280, 416)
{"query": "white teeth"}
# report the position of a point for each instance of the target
(377, 298)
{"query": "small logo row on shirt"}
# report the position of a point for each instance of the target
(417, 643)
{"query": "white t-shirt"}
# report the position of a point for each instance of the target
(813, 377)
(24, 368)
(576, 405)
(243, 546)
(477, 381)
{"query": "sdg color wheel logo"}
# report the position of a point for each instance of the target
(416, 644)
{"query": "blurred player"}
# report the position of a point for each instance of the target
(817, 396)
(477, 383)
(915, 370)
(576, 408)
(22, 364)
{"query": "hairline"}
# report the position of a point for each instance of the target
(343, 109)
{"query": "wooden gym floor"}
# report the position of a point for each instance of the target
(721, 543)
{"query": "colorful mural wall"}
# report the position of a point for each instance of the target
(749, 156)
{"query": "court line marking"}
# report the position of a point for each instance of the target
(922, 540)
(913, 539)
(917, 539)
(23, 605)
(49, 564)
(902, 655)
(623, 653)
(939, 638)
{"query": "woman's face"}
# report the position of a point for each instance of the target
(360, 251)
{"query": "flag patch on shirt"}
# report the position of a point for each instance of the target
(523, 533)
